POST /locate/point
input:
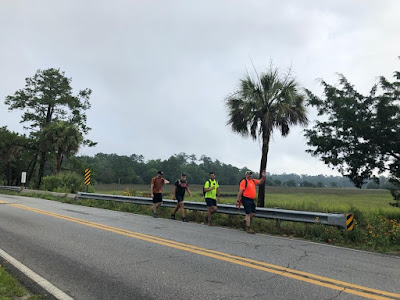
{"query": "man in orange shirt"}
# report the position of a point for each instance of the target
(247, 192)
(156, 191)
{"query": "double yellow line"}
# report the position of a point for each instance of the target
(326, 282)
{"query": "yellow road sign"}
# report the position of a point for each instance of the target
(87, 177)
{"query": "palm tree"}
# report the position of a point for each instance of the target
(64, 139)
(265, 104)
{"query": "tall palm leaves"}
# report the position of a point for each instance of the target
(262, 105)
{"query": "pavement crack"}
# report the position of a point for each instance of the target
(76, 211)
(305, 254)
(214, 281)
(340, 292)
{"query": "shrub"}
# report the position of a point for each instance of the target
(63, 183)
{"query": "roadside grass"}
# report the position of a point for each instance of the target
(377, 225)
(11, 289)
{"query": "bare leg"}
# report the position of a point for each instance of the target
(182, 207)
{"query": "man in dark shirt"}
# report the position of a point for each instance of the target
(180, 187)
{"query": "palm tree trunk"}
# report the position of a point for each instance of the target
(31, 168)
(263, 166)
(41, 168)
(43, 153)
(59, 161)
(8, 173)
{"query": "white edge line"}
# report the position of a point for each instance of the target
(35, 277)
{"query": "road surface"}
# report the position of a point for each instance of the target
(91, 253)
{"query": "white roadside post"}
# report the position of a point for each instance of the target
(23, 180)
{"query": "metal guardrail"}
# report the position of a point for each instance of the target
(10, 188)
(341, 220)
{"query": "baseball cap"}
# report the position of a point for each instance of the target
(249, 173)
(160, 172)
(183, 174)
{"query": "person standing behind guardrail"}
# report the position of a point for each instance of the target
(156, 185)
(246, 195)
(178, 194)
(211, 194)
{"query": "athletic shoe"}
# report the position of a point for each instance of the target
(185, 220)
(155, 215)
(173, 216)
(250, 230)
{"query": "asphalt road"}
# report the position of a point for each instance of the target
(98, 254)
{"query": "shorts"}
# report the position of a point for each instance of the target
(211, 202)
(179, 198)
(249, 205)
(157, 197)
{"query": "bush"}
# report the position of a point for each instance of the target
(63, 183)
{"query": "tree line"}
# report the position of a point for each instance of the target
(133, 169)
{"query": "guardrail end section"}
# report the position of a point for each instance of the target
(350, 222)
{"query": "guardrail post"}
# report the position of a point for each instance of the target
(278, 223)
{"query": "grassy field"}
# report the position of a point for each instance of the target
(298, 198)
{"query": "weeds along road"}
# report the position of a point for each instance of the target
(91, 253)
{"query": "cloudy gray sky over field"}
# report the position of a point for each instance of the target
(160, 70)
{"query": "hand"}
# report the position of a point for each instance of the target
(166, 181)
(218, 199)
(190, 195)
(212, 188)
(151, 195)
(263, 173)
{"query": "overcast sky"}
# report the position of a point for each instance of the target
(161, 70)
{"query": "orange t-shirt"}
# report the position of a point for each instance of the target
(158, 183)
(250, 191)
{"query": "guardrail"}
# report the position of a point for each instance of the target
(341, 220)
(10, 188)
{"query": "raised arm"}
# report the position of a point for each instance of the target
(262, 180)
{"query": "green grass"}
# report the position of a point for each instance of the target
(309, 199)
(11, 289)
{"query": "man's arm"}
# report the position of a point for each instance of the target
(165, 181)
(262, 180)
(151, 189)
(239, 196)
(218, 194)
(174, 193)
(210, 188)
(190, 194)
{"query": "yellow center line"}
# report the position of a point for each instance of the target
(262, 266)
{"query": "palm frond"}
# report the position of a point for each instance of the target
(267, 103)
